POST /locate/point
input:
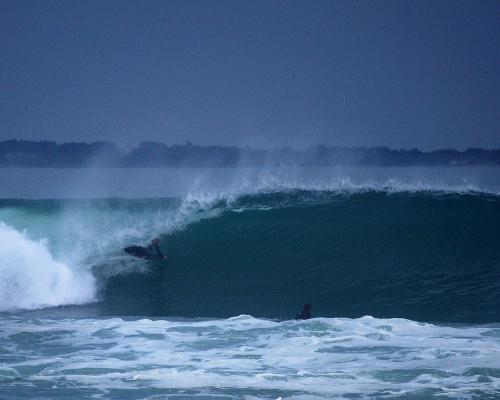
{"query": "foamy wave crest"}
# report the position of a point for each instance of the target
(30, 277)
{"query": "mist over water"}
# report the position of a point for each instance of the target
(51, 183)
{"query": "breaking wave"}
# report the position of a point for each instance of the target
(419, 254)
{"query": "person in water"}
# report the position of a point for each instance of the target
(154, 248)
(305, 313)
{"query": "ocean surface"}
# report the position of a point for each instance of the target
(401, 265)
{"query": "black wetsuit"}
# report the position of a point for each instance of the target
(154, 249)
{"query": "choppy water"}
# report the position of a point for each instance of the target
(245, 357)
(81, 319)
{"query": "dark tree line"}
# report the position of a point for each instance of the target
(23, 153)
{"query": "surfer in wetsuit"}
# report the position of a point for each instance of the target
(151, 252)
(305, 313)
(154, 249)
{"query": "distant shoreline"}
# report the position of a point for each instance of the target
(215, 167)
(45, 154)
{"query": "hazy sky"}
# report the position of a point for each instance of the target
(261, 73)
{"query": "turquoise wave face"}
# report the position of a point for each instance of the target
(424, 255)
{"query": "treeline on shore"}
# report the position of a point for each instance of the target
(23, 153)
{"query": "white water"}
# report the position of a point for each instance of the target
(349, 358)
(50, 258)
(31, 278)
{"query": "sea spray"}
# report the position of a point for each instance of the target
(58, 252)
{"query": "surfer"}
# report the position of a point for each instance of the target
(150, 252)
(305, 313)
(154, 248)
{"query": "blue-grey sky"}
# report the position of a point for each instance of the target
(260, 73)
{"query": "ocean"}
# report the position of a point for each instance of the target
(401, 266)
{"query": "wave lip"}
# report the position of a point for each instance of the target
(31, 278)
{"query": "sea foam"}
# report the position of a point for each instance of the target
(246, 358)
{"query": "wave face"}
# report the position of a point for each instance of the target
(430, 256)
